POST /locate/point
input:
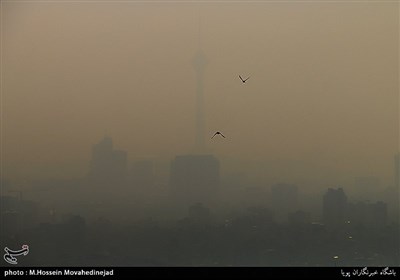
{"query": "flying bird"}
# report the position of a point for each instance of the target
(243, 81)
(218, 133)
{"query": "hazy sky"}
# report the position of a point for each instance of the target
(323, 87)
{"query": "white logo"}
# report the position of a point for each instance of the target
(9, 256)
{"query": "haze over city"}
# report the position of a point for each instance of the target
(108, 112)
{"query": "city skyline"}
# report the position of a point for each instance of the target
(228, 133)
(324, 97)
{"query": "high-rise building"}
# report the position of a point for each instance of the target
(284, 200)
(368, 214)
(107, 166)
(334, 207)
(194, 179)
(397, 170)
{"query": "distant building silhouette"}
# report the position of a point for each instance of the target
(107, 166)
(368, 214)
(334, 207)
(397, 170)
(194, 179)
(393, 192)
(17, 214)
(284, 200)
(10, 216)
